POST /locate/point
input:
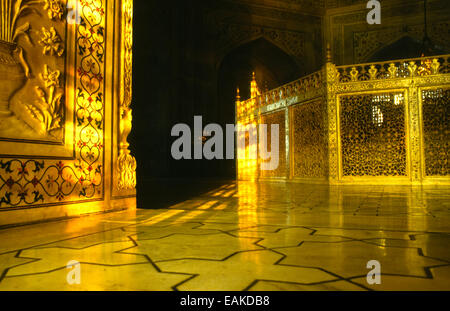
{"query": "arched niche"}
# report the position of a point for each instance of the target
(405, 47)
(272, 66)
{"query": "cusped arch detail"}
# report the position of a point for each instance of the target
(265, 35)
(401, 47)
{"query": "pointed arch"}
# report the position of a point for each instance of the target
(400, 48)
(272, 66)
(224, 52)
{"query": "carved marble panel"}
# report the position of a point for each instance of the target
(309, 140)
(269, 119)
(39, 105)
(373, 135)
(33, 65)
(436, 131)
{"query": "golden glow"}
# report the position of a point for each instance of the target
(247, 166)
(221, 206)
(228, 194)
(218, 193)
(254, 89)
(188, 216)
(248, 203)
(207, 205)
(162, 217)
(247, 160)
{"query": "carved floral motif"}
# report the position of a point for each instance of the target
(48, 109)
(13, 65)
(55, 9)
(51, 42)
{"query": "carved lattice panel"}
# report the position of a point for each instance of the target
(372, 130)
(269, 119)
(309, 140)
(436, 131)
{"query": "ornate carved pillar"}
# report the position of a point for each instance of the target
(126, 162)
(414, 133)
(287, 127)
(331, 76)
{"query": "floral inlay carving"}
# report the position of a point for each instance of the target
(48, 110)
(50, 78)
(51, 42)
(54, 9)
(15, 23)
(14, 70)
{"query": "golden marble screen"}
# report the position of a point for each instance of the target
(309, 140)
(373, 134)
(436, 131)
(269, 119)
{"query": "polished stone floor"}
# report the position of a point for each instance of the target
(245, 236)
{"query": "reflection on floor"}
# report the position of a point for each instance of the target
(245, 236)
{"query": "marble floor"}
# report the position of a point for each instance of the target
(245, 236)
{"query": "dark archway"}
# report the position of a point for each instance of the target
(405, 47)
(272, 66)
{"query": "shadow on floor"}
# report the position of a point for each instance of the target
(163, 193)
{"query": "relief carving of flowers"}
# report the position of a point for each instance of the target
(50, 78)
(54, 9)
(48, 110)
(51, 42)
